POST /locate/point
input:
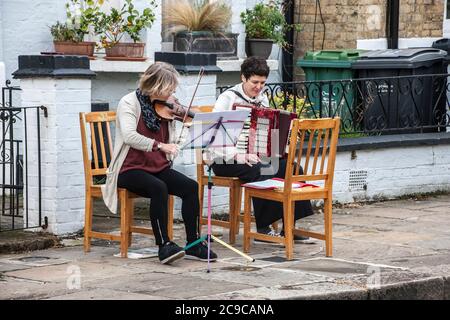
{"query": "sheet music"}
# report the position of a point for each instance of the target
(203, 128)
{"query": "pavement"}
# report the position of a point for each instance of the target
(385, 250)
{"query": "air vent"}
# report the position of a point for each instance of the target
(357, 180)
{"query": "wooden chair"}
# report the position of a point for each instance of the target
(99, 124)
(317, 139)
(235, 195)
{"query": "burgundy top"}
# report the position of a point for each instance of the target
(153, 161)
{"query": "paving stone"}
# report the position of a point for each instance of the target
(169, 285)
(333, 268)
(321, 290)
(60, 273)
(104, 294)
(260, 277)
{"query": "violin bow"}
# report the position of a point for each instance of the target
(200, 75)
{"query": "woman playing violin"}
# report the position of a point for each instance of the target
(144, 145)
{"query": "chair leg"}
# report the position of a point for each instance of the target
(170, 218)
(88, 222)
(327, 212)
(124, 226)
(231, 216)
(238, 206)
(288, 228)
(130, 216)
(247, 220)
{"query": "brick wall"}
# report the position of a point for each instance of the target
(421, 18)
(347, 21)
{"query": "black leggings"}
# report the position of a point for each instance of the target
(158, 186)
(266, 211)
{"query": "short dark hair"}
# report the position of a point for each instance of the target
(254, 66)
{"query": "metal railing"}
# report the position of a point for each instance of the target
(18, 126)
(391, 105)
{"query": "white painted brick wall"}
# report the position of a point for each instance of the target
(2, 69)
(393, 172)
(62, 163)
(238, 6)
(26, 28)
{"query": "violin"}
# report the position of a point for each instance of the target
(172, 109)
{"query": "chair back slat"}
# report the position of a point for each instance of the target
(102, 144)
(299, 155)
(316, 151)
(324, 150)
(308, 150)
(319, 153)
(94, 145)
(108, 133)
(97, 142)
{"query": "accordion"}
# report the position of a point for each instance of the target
(266, 132)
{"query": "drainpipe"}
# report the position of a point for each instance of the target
(287, 64)
(392, 20)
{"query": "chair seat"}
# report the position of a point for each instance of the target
(297, 194)
(221, 181)
(96, 191)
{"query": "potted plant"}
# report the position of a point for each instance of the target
(265, 24)
(287, 101)
(113, 26)
(68, 37)
(200, 26)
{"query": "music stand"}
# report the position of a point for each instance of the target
(215, 130)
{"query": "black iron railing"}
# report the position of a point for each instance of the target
(403, 104)
(16, 132)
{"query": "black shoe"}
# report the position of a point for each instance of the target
(200, 252)
(169, 252)
(267, 231)
(300, 239)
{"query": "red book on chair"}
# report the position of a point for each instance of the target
(276, 183)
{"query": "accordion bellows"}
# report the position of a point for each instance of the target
(266, 132)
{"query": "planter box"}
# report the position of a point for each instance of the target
(224, 45)
(75, 48)
(126, 51)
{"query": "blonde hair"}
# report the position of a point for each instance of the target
(159, 79)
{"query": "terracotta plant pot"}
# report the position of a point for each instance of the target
(75, 48)
(126, 50)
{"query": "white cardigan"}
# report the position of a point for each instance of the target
(128, 113)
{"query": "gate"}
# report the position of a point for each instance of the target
(16, 163)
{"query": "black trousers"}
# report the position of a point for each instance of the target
(157, 187)
(266, 211)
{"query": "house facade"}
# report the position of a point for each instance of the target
(347, 24)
